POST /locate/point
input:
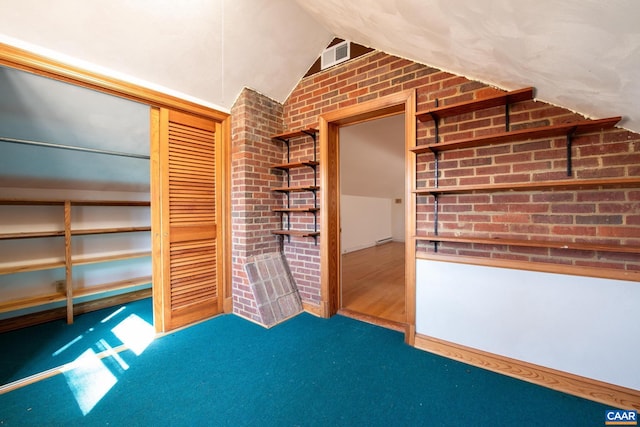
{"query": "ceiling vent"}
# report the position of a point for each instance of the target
(335, 54)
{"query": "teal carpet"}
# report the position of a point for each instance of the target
(304, 372)
(39, 348)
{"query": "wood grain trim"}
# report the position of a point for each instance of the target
(329, 125)
(598, 391)
(313, 309)
(410, 222)
(573, 270)
(14, 57)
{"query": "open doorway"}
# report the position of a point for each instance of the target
(372, 189)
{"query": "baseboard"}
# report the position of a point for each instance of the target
(388, 324)
(314, 309)
(608, 394)
(37, 318)
(227, 305)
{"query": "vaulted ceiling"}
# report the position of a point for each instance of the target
(580, 54)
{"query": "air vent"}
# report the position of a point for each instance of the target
(335, 54)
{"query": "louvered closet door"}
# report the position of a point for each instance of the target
(189, 219)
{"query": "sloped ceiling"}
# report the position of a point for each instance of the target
(583, 55)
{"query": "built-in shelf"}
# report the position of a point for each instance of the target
(294, 134)
(109, 230)
(547, 267)
(564, 184)
(68, 262)
(476, 104)
(293, 165)
(521, 135)
(296, 233)
(584, 246)
(288, 210)
(21, 304)
(31, 267)
(510, 136)
(30, 234)
(45, 202)
(108, 258)
(295, 210)
(111, 287)
(295, 189)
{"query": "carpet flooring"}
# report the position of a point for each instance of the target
(306, 371)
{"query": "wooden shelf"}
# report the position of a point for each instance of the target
(31, 267)
(295, 210)
(521, 135)
(109, 230)
(293, 165)
(110, 287)
(294, 134)
(564, 184)
(475, 105)
(31, 234)
(584, 246)
(20, 304)
(296, 233)
(44, 202)
(586, 271)
(296, 189)
(108, 258)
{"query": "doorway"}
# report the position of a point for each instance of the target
(330, 250)
(372, 160)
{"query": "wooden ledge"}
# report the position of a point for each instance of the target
(476, 104)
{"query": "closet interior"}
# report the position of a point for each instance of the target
(75, 216)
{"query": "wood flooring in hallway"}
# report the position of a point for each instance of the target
(373, 282)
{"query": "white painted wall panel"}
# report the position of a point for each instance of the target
(585, 326)
(364, 220)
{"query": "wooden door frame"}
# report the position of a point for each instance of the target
(330, 251)
(13, 57)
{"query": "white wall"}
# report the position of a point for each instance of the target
(364, 221)
(372, 173)
(584, 326)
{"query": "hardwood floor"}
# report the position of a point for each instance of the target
(373, 282)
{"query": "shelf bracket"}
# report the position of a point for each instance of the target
(436, 123)
(312, 134)
(507, 118)
(570, 135)
(436, 166)
(435, 219)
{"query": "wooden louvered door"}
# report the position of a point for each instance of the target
(189, 217)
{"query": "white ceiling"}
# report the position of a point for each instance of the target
(580, 54)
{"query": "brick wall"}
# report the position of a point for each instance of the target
(596, 215)
(254, 119)
(609, 216)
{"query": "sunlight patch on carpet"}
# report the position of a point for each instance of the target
(89, 380)
(135, 333)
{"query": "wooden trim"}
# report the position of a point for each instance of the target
(223, 140)
(330, 253)
(551, 244)
(574, 270)
(20, 59)
(313, 309)
(560, 184)
(373, 320)
(159, 204)
(598, 391)
(68, 262)
(410, 223)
